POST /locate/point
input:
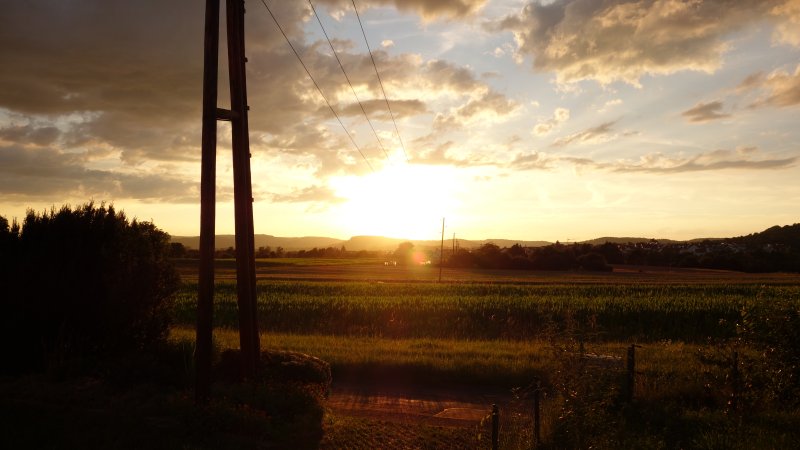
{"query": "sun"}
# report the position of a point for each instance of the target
(404, 201)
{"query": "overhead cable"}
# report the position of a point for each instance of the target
(316, 84)
(364, 33)
(348, 79)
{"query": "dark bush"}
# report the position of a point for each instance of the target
(83, 283)
(594, 261)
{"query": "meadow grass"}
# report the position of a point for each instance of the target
(501, 363)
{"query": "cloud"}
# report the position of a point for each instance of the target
(705, 112)
(376, 108)
(432, 9)
(744, 158)
(610, 104)
(622, 40)
(48, 173)
(123, 81)
(560, 115)
(715, 160)
(780, 88)
(599, 133)
(311, 194)
(30, 135)
(787, 31)
(440, 155)
(532, 161)
(490, 108)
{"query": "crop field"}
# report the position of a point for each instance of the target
(716, 365)
(638, 313)
(376, 270)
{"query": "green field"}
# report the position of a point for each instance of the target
(716, 366)
(635, 313)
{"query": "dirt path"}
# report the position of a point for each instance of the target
(447, 406)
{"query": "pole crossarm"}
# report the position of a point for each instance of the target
(227, 115)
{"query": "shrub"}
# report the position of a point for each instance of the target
(84, 283)
(594, 262)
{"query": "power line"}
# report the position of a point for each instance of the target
(315, 84)
(348, 79)
(379, 80)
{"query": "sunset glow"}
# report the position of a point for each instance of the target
(538, 120)
(399, 201)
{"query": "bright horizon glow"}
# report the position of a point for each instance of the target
(400, 200)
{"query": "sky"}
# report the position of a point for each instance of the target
(520, 119)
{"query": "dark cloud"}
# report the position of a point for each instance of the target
(30, 135)
(610, 40)
(45, 172)
(705, 112)
(115, 77)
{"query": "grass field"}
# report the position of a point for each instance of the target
(703, 377)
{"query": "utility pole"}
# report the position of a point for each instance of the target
(243, 197)
(441, 253)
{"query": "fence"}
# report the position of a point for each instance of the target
(536, 391)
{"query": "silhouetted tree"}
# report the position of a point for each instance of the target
(177, 250)
(593, 261)
(404, 253)
(85, 283)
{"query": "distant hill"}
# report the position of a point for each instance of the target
(788, 235)
(265, 240)
(625, 240)
(355, 243)
(380, 243)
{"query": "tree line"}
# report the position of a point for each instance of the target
(748, 254)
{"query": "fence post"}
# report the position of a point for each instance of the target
(735, 381)
(631, 372)
(537, 424)
(495, 427)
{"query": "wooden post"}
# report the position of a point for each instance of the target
(242, 192)
(495, 427)
(735, 381)
(205, 295)
(631, 372)
(243, 195)
(537, 423)
(441, 253)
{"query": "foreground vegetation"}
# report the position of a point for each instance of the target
(717, 365)
(86, 310)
